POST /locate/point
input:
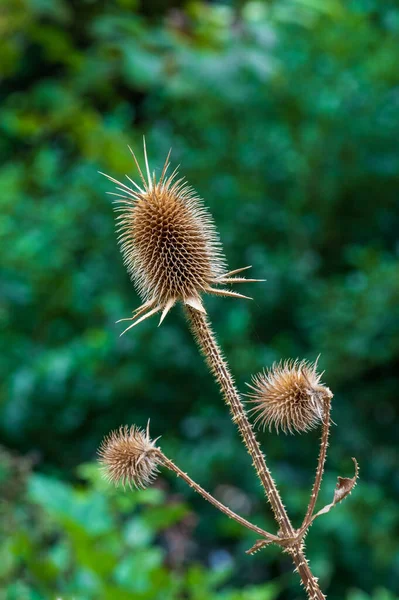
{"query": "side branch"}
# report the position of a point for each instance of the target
(320, 464)
(224, 509)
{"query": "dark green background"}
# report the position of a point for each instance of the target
(285, 117)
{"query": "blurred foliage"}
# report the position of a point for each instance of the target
(90, 542)
(285, 118)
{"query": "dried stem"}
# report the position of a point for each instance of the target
(224, 509)
(320, 463)
(171, 249)
(309, 581)
(205, 338)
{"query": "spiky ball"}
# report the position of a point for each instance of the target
(170, 245)
(168, 239)
(128, 456)
(289, 396)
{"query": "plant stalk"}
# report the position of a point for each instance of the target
(320, 463)
(309, 581)
(206, 341)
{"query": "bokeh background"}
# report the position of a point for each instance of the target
(285, 117)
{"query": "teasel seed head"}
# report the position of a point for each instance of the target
(289, 396)
(129, 456)
(169, 243)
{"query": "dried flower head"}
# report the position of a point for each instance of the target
(129, 456)
(289, 396)
(169, 243)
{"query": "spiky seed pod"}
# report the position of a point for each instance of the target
(289, 396)
(169, 243)
(129, 456)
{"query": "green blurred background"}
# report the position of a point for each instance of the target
(285, 117)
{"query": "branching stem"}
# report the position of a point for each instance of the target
(204, 336)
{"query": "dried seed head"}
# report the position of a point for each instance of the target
(129, 456)
(169, 243)
(289, 396)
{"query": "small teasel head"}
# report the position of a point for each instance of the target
(129, 456)
(169, 243)
(289, 396)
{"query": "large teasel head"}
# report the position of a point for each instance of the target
(169, 243)
(289, 396)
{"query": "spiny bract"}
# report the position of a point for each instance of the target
(169, 243)
(289, 396)
(129, 456)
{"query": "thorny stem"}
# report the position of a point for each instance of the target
(320, 463)
(224, 509)
(204, 336)
(309, 581)
(206, 340)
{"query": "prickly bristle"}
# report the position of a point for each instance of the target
(169, 242)
(170, 245)
(289, 396)
(128, 456)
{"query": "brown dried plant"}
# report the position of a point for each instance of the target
(169, 244)
(171, 249)
(289, 396)
(129, 457)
